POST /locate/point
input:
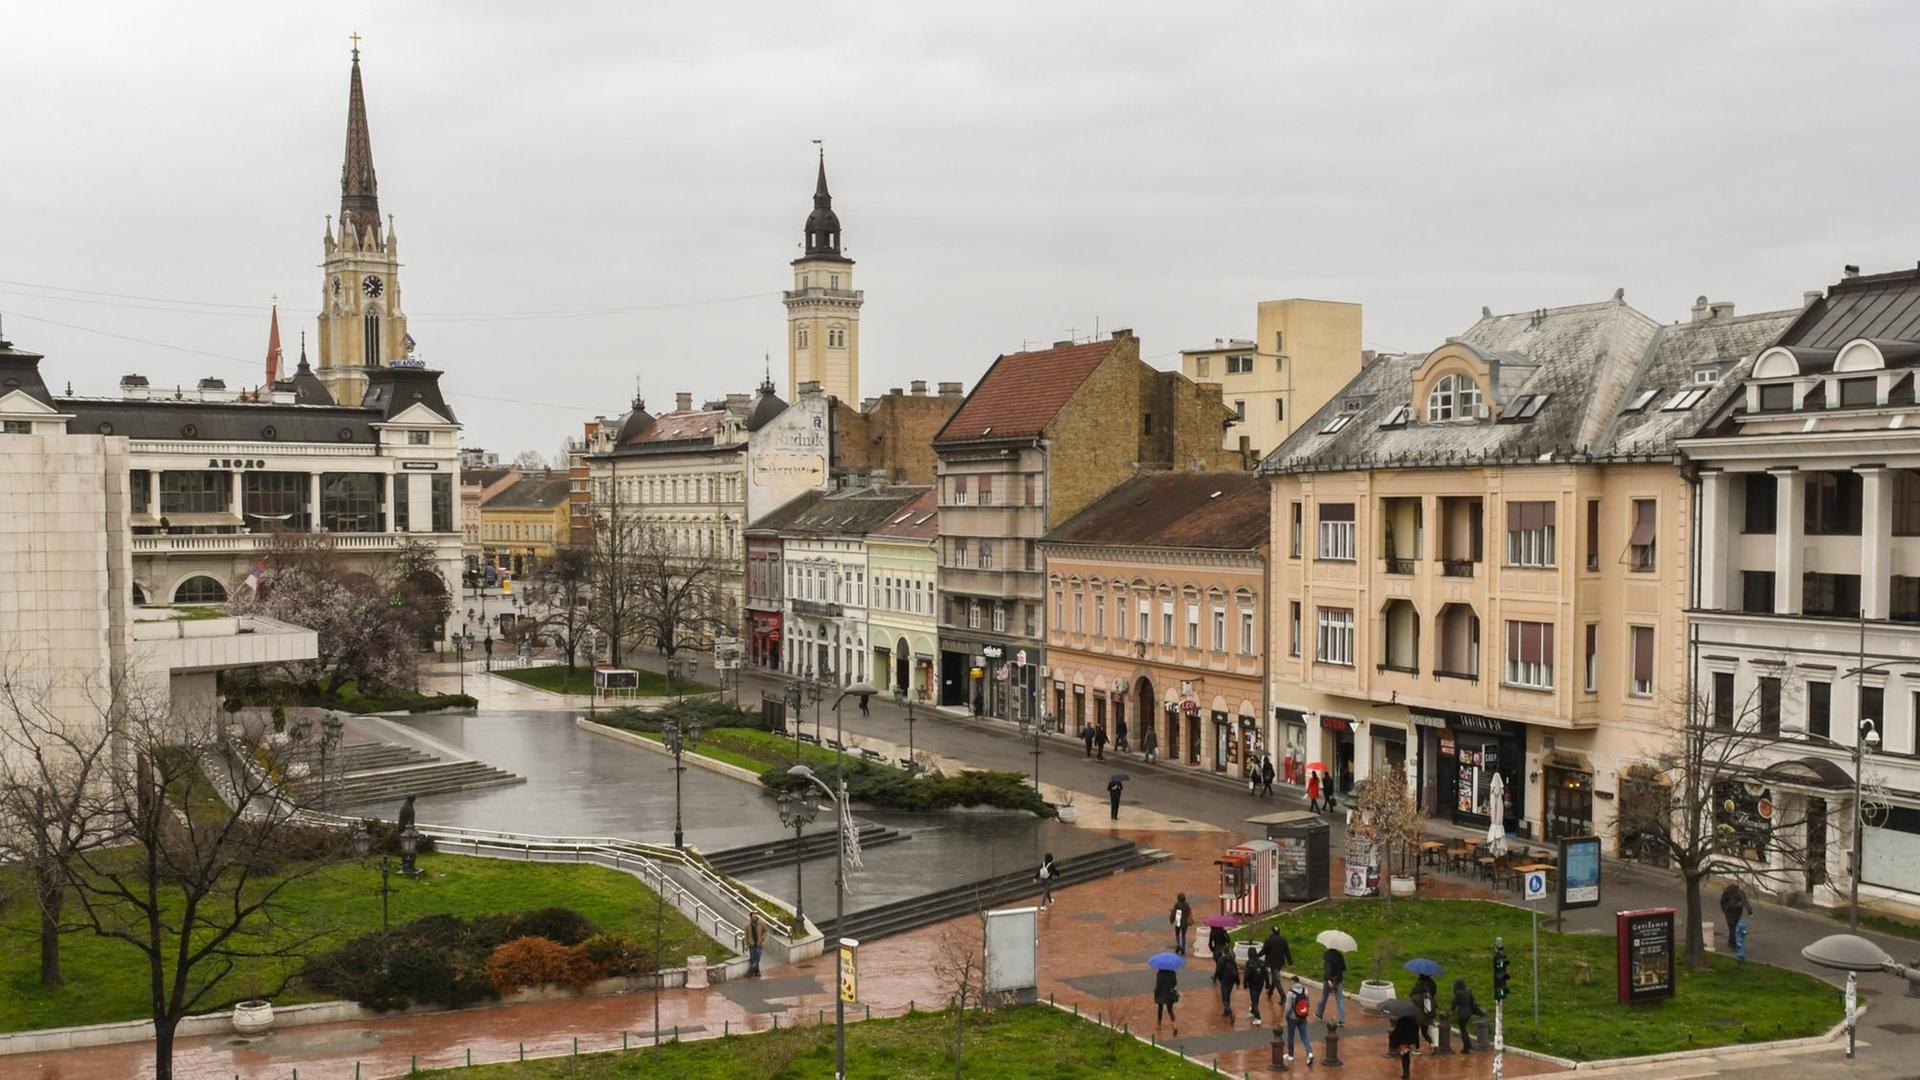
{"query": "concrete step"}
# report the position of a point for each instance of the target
(436, 779)
(749, 858)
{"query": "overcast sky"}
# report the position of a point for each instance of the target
(1004, 173)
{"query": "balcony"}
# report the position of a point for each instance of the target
(1401, 623)
(1460, 568)
(1462, 535)
(1025, 584)
(242, 543)
(818, 609)
(1457, 653)
(1402, 538)
(200, 448)
(1400, 566)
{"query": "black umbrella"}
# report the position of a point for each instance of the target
(1121, 777)
(1399, 1007)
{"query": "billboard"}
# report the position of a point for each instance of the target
(1579, 872)
(1013, 950)
(1644, 954)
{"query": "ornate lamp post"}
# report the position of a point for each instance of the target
(362, 846)
(679, 740)
(797, 811)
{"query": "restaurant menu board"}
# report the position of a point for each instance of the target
(1645, 956)
(1579, 872)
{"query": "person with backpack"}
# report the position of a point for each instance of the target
(1333, 972)
(1218, 941)
(1464, 1009)
(1182, 919)
(1227, 974)
(1255, 976)
(1278, 958)
(1298, 1006)
(1166, 991)
(1045, 877)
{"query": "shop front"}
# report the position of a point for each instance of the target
(1226, 755)
(1566, 792)
(1290, 725)
(1386, 748)
(1336, 740)
(763, 645)
(1250, 746)
(1472, 750)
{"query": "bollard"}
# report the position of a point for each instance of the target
(1216, 1065)
(1279, 1060)
(523, 1051)
(356, 1070)
(1484, 1041)
(623, 1041)
(676, 1033)
(726, 1028)
(413, 1065)
(869, 1012)
(469, 1059)
(576, 1046)
(1076, 1008)
(1333, 1046)
(1446, 1035)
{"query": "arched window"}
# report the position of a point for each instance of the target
(801, 338)
(1453, 397)
(139, 595)
(373, 339)
(200, 590)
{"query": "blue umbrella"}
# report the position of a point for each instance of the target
(1420, 965)
(1166, 961)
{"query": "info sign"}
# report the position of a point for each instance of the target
(1645, 957)
(849, 970)
(1579, 872)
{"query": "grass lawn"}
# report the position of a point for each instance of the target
(107, 980)
(1885, 924)
(1728, 1003)
(554, 677)
(1030, 1042)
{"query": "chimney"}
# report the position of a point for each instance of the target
(1063, 344)
(894, 391)
(134, 387)
(949, 389)
(1702, 311)
(1123, 332)
(212, 389)
(810, 387)
(283, 397)
(683, 401)
(1850, 271)
(1812, 297)
(1723, 309)
(739, 399)
(867, 404)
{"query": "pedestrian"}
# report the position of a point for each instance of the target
(1086, 736)
(1218, 941)
(1277, 956)
(1255, 976)
(1181, 917)
(1166, 991)
(1149, 744)
(1333, 973)
(1045, 876)
(756, 936)
(1253, 779)
(1734, 906)
(1227, 974)
(1120, 734)
(1464, 1009)
(1426, 996)
(1113, 797)
(1404, 1039)
(1740, 941)
(1100, 744)
(1266, 775)
(1313, 791)
(1296, 1010)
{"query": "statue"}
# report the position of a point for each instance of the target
(406, 815)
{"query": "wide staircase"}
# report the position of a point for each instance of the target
(749, 858)
(359, 774)
(993, 892)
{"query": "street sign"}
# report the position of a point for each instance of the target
(1536, 885)
(849, 970)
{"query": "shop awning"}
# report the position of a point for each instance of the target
(1815, 773)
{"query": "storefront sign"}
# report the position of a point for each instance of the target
(1645, 954)
(992, 652)
(1289, 716)
(1020, 658)
(1190, 707)
(1421, 719)
(1336, 723)
(1488, 725)
(1579, 872)
(1446, 746)
(1743, 818)
(420, 466)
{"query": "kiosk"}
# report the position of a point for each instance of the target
(1302, 842)
(1250, 878)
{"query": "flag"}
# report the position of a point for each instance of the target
(253, 578)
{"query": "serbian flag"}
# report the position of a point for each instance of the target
(253, 578)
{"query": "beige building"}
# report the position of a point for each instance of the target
(1303, 351)
(823, 307)
(1480, 561)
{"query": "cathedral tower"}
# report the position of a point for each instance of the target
(823, 308)
(361, 324)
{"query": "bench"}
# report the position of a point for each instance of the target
(836, 744)
(872, 755)
(806, 738)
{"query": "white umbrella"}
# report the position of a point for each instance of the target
(1497, 810)
(1338, 939)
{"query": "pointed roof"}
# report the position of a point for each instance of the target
(307, 387)
(359, 190)
(1022, 392)
(273, 348)
(823, 225)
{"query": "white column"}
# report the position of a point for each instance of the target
(1790, 506)
(1876, 540)
(1714, 504)
(390, 485)
(313, 502)
(233, 494)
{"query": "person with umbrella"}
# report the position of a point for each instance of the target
(1256, 977)
(1333, 972)
(1426, 994)
(1227, 974)
(1115, 784)
(1296, 1007)
(1313, 789)
(1182, 919)
(1278, 958)
(1404, 1038)
(1166, 987)
(1217, 939)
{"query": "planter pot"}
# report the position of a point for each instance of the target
(1068, 813)
(1402, 886)
(1376, 991)
(253, 1018)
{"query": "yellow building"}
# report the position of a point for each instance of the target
(1303, 351)
(1480, 562)
(522, 524)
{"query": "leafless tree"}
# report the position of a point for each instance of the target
(1387, 813)
(960, 971)
(682, 596)
(530, 461)
(563, 589)
(613, 567)
(1688, 803)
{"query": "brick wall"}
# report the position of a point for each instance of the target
(896, 435)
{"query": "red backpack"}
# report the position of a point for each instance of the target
(1300, 1004)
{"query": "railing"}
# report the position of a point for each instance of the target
(251, 449)
(1399, 566)
(1458, 567)
(244, 542)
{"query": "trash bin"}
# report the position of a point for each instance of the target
(696, 973)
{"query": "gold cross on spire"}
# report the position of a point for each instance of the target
(355, 36)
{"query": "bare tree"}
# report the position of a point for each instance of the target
(613, 568)
(202, 847)
(1698, 801)
(960, 971)
(1388, 815)
(530, 461)
(682, 594)
(563, 590)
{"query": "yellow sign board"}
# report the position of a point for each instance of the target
(849, 970)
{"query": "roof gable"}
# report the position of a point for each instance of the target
(418, 413)
(1022, 392)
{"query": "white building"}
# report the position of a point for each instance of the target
(1806, 619)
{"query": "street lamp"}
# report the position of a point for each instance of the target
(331, 728)
(912, 762)
(1853, 954)
(797, 811)
(362, 846)
(1868, 737)
(679, 739)
(838, 799)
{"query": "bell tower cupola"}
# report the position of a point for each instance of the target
(823, 307)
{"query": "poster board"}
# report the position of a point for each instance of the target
(849, 970)
(1644, 960)
(1579, 872)
(1013, 950)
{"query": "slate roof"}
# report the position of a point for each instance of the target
(485, 477)
(218, 421)
(1588, 360)
(786, 513)
(530, 493)
(917, 520)
(688, 432)
(1022, 393)
(853, 512)
(1870, 306)
(1216, 510)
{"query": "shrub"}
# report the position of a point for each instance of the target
(383, 838)
(563, 925)
(536, 961)
(438, 959)
(617, 954)
(892, 789)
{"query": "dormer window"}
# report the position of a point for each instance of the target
(1453, 397)
(1398, 417)
(417, 438)
(1776, 398)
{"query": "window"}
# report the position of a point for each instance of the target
(1279, 341)
(1280, 409)
(275, 499)
(973, 614)
(986, 554)
(1593, 534)
(402, 506)
(1856, 392)
(1079, 613)
(1239, 365)
(1166, 623)
(1294, 515)
(16, 427)
(200, 589)
(1193, 626)
(1831, 595)
(1592, 656)
(1398, 417)
(1246, 633)
(1639, 401)
(1146, 423)
(1906, 502)
(1453, 397)
(1776, 398)
(1028, 489)
(1335, 642)
(140, 489)
(1033, 548)
(1219, 629)
(1000, 618)
(352, 503)
(1240, 409)
(1146, 622)
(959, 491)
(1530, 534)
(1640, 546)
(1530, 654)
(1293, 628)
(372, 339)
(960, 554)
(1336, 532)
(1762, 493)
(1099, 617)
(418, 438)
(1769, 695)
(1525, 407)
(986, 491)
(1684, 400)
(801, 339)
(1200, 366)
(1723, 699)
(1642, 640)
(194, 492)
(1334, 425)
(1706, 376)
(1756, 591)
(1904, 599)
(1833, 504)
(1820, 708)
(1059, 608)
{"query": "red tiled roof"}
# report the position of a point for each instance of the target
(1223, 510)
(918, 520)
(1022, 392)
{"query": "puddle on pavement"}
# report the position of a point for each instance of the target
(298, 1043)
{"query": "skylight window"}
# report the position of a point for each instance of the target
(1335, 424)
(1640, 401)
(923, 519)
(1398, 417)
(901, 518)
(1524, 408)
(1684, 400)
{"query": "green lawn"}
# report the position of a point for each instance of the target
(1885, 924)
(555, 678)
(106, 980)
(1728, 1003)
(1030, 1042)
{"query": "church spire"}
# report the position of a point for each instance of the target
(273, 346)
(823, 225)
(359, 190)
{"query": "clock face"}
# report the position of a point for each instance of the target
(336, 288)
(373, 287)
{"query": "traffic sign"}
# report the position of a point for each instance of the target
(1536, 885)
